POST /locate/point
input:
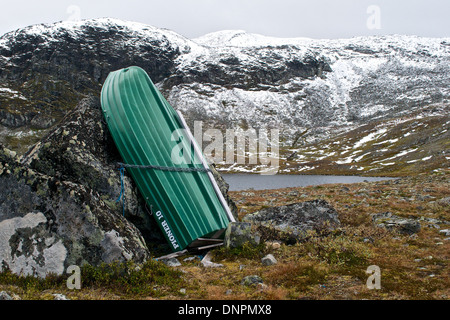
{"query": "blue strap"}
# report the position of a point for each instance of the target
(122, 188)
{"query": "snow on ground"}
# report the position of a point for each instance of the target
(401, 154)
(370, 137)
(12, 93)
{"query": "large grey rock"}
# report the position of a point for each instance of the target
(57, 204)
(292, 222)
(59, 223)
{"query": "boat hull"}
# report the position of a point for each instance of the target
(148, 132)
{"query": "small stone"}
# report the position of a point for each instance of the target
(5, 296)
(444, 201)
(172, 262)
(189, 259)
(59, 296)
(269, 260)
(261, 286)
(273, 245)
(252, 280)
(207, 263)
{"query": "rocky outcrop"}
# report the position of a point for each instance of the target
(292, 223)
(58, 202)
(48, 224)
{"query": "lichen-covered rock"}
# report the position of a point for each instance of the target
(47, 224)
(291, 223)
(395, 223)
(240, 233)
(56, 204)
(27, 247)
(252, 280)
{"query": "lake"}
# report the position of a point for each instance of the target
(239, 182)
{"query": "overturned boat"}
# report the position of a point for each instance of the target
(154, 142)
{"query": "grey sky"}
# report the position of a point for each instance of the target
(281, 18)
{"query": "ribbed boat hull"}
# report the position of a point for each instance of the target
(184, 204)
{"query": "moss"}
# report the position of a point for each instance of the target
(247, 251)
(124, 279)
(153, 278)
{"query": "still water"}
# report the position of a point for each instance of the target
(239, 182)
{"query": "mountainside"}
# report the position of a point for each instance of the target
(368, 105)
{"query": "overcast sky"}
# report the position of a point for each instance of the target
(281, 18)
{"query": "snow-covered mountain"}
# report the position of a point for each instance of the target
(312, 90)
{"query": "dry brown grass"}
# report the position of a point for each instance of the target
(323, 267)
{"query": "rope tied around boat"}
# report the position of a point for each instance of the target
(122, 167)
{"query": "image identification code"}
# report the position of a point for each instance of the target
(240, 309)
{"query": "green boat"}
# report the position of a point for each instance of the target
(154, 142)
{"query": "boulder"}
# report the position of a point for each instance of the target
(47, 224)
(82, 151)
(292, 223)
